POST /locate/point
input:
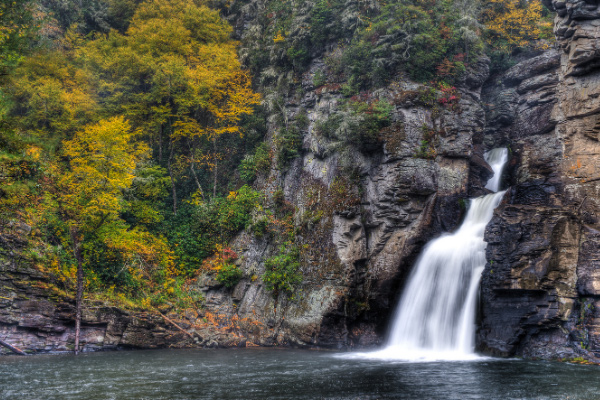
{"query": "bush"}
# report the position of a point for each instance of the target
(371, 118)
(319, 79)
(196, 230)
(247, 168)
(262, 158)
(229, 275)
(282, 272)
(289, 144)
(260, 227)
(329, 127)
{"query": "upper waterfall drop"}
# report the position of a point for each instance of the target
(497, 159)
(435, 319)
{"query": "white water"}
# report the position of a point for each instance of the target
(435, 319)
(497, 159)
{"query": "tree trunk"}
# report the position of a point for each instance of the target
(216, 168)
(170, 168)
(79, 297)
(195, 175)
(160, 145)
(12, 348)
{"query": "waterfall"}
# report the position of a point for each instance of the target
(497, 158)
(435, 318)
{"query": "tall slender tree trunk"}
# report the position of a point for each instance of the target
(216, 168)
(192, 161)
(79, 296)
(171, 175)
(160, 145)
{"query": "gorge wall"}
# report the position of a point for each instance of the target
(540, 286)
(364, 212)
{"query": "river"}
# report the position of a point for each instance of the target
(259, 373)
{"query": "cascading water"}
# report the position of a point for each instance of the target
(436, 316)
(496, 158)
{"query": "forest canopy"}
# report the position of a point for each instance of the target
(112, 128)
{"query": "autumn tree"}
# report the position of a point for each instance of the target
(102, 160)
(175, 75)
(513, 23)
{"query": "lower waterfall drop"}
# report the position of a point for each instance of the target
(435, 319)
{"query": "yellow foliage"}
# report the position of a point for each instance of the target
(183, 53)
(33, 152)
(514, 22)
(55, 98)
(103, 158)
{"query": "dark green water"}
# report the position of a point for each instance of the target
(284, 374)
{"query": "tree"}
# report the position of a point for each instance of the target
(175, 75)
(102, 160)
(512, 23)
(16, 29)
(51, 97)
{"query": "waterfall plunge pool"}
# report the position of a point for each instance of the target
(259, 373)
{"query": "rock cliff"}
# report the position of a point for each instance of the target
(540, 286)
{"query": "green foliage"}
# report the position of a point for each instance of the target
(197, 229)
(282, 272)
(289, 145)
(229, 275)
(262, 158)
(323, 24)
(260, 227)
(147, 195)
(427, 146)
(247, 169)
(360, 124)
(375, 115)
(299, 56)
(17, 30)
(329, 126)
(415, 36)
(319, 79)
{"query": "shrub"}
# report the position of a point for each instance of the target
(319, 78)
(282, 272)
(260, 227)
(229, 275)
(262, 158)
(372, 116)
(289, 144)
(196, 230)
(328, 127)
(247, 168)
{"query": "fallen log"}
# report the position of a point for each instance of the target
(12, 348)
(173, 323)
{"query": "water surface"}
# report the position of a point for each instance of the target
(285, 374)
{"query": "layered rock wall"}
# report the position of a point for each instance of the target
(539, 289)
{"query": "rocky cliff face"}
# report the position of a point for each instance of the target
(540, 286)
(407, 186)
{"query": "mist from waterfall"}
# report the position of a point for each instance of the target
(435, 319)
